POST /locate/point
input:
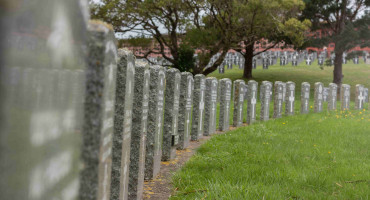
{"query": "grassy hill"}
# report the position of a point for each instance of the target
(314, 156)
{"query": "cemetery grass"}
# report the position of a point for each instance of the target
(315, 156)
(353, 74)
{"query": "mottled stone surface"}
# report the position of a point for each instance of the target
(99, 113)
(139, 130)
(305, 98)
(186, 105)
(198, 107)
(122, 125)
(171, 113)
(345, 97)
(225, 98)
(332, 98)
(155, 121)
(210, 110)
(252, 101)
(265, 100)
(238, 103)
(325, 94)
(318, 97)
(366, 94)
(284, 90)
(290, 98)
(360, 97)
(278, 99)
(42, 87)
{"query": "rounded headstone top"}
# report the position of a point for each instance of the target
(199, 75)
(186, 74)
(124, 52)
(252, 81)
(211, 78)
(333, 85)
(141, 64)
(100, 26)
(156, 67)
(173, 70)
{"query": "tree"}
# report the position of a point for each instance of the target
(341, 22)
(271, 20)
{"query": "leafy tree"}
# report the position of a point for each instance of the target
(275, 21)
(341, 22)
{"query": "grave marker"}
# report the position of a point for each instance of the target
(366, 94)
(305, 97)
(122, 125)
(139, 130)
(238, 103)
(198, 110)
(99, 112)
(326, 94)
(210, 109)
(42, 77)
(225, 98)
(252, 101)
(345, 96)
(360, 97)
(155, 121)
(332, 98)
(289, 101)
(265, 100)
(186, 105)
(171, 111)
(278, 99)
(318, 97)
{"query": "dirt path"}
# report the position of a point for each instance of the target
(161, 188)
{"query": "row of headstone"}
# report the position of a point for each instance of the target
(81, 119)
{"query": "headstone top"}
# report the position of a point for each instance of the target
(100, 26)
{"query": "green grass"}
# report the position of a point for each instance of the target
(314, 156)
(353, 74)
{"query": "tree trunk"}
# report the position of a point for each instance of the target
(337, 73)
(248, 61)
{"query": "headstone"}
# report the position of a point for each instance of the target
(254, 64)
(278, 99)
(122, 125)
(198, 110)
(366, 94)
(290, 98)
(210, 110)
(326, 94)
(42, 73)
(265, 64)
(332, 99)
(318, 97)
(238, 103)
(305, 97)
(360, 97)
(171, 111)
(345, 94)
(284, 91)
(225, 98)
(155, 121)
(265, 100)
(139, 130)
(186, 105)
(252, 101)
(221, 68)
(99, 112)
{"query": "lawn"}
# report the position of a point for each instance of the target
(314, 156)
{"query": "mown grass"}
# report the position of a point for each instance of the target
(314, 156)
(353, 74)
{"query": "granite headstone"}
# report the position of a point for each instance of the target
(186, 105)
